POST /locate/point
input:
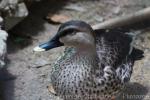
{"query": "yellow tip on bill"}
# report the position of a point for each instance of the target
(38, 49)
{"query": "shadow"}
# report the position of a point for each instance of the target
(6, 84)
(37, 12)
(133, 91)
(33, 24)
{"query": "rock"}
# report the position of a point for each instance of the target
(3, 50)
(1, 22)
(20, 13)
(13, 12)
(57, 18)
(75, 8)
(98, 18)
(116, 10)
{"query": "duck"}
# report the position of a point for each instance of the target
(96, 65)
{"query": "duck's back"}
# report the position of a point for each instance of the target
(112, 46)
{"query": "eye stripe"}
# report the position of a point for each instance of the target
(69, 31)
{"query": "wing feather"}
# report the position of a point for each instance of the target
(112, 46)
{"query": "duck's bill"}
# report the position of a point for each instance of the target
(48, 45)
(38, 49)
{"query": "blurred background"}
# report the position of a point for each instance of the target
(24, 75)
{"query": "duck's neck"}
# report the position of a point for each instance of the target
(85, 56)
(86, 51)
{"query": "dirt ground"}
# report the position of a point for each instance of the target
(27, 73)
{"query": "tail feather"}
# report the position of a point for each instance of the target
(137, 54)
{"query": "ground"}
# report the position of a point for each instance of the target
(27, 73)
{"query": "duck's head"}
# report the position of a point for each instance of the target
(72, 33)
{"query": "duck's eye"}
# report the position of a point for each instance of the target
(73, 33)
(70, 32)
